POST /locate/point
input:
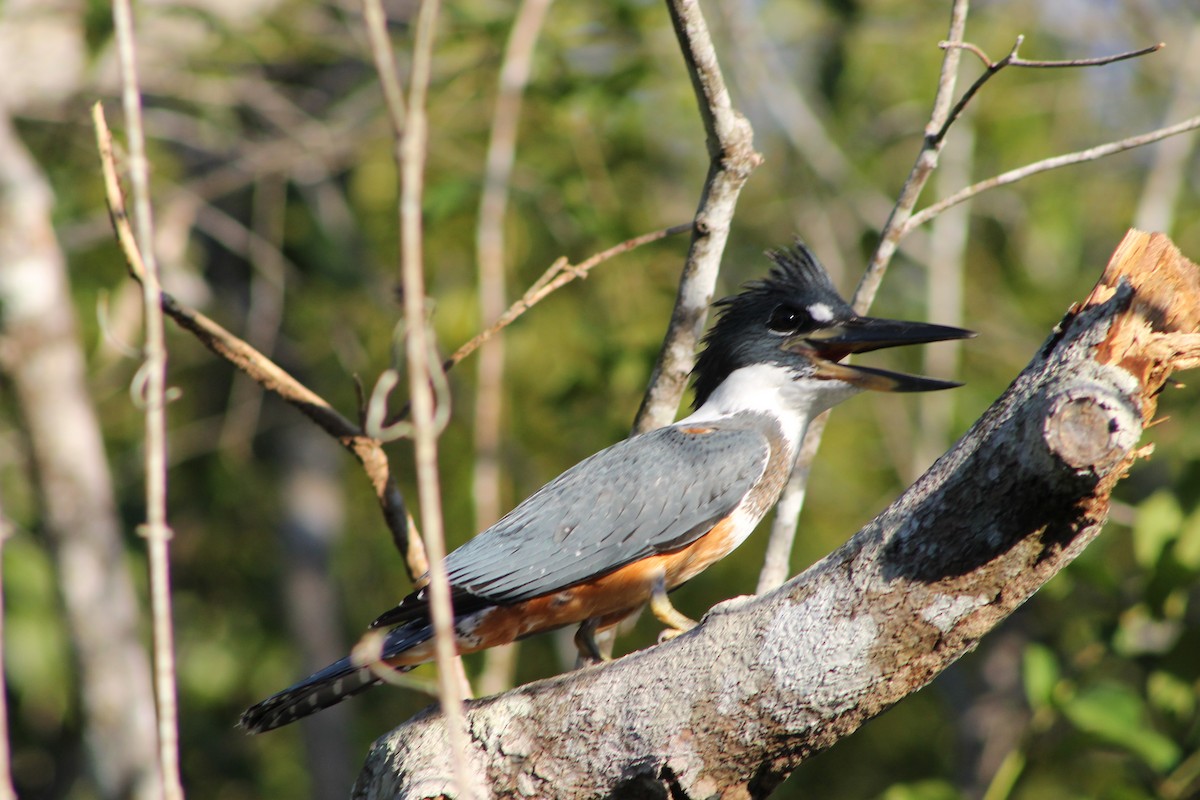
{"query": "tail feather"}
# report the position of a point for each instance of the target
(329, 686)
(320, 690)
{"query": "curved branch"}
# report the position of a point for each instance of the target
(268, 374)
(733, 706)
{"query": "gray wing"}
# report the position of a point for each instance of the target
(650, 494)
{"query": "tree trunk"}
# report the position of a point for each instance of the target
(731, 708)
(45, 363)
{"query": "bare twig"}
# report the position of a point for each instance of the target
(1013, 60)
(926, 162)
(385, 61)
(1046, 164)
(269, 375)
(155, 529)
(732, 158)
(493, 203)
(412, 150)
(7, 792)
(903, 221)
(557, 275)
(783, 529)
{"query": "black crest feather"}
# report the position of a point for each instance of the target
(796, 277)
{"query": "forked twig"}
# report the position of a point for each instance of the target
(265, 372)
(556, 276)
(1046, 164)
(777, 560)
(903, 221)
(1014, 60)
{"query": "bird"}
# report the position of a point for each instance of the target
(622, 528)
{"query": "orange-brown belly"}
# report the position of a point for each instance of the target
(608, 598)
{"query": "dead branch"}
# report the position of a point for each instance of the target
(732, 158)
(783, 528)
(556, 276)
(411, 148)
(1013, 60)
(265, 372)
(1046, 164)
(732, 707)
(152, 383)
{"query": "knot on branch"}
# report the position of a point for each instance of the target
(1091, 428)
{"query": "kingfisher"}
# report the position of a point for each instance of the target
(624, 527)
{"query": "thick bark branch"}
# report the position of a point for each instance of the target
(731, 708)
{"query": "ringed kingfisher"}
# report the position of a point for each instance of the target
(629, 524)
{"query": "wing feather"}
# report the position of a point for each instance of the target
(647, 495)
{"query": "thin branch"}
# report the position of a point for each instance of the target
(385, 61)
(732, 158)
(7, 792)
(557, 275)
(265, 372)
(783, 529)
(489, 242)
(412, 151)
(923, 167)
(155, 529)
(1013, 60)
(1046, 164)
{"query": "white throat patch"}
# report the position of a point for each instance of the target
(775, 390)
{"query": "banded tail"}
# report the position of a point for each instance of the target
(329, 686)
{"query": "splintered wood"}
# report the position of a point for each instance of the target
(1159, 334)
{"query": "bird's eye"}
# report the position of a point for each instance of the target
(786, 319)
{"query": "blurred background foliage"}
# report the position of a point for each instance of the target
(275, 202)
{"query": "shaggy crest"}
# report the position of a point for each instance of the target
(796, 275)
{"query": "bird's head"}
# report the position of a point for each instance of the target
(796, 320)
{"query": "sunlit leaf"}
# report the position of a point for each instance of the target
(1041, 674)
(1158, 524)
(1115, 714)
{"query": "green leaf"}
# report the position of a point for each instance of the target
(1187, 549)
(1159, 520)
(1171, 695)
(922, 790)
(1116, 714)
(1041, 674)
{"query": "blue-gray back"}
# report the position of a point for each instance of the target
(647, 495)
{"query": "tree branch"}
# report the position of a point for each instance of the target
(733, 706)
(776, 564)
(411, 152)
(732, 158)
(1046, 164)
(268, 374)
(152, 391)
(1013, 60)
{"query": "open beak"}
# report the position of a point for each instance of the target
(828, 346)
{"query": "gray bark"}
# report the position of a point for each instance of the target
(731, 708)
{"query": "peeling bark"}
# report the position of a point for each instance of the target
(731, 708)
